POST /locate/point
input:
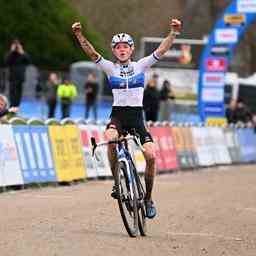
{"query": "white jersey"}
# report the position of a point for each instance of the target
(127, 81)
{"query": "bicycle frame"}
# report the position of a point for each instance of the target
(123, 155)
(133, 199)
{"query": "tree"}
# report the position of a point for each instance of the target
(44, 27)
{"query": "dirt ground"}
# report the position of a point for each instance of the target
(207, 212)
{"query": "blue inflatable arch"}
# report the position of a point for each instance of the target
(217, 55)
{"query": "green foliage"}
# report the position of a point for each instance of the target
(17, 121)
(35, 121)
(45, 29)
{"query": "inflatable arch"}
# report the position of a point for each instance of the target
(218, 53)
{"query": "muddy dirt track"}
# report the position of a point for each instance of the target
(210, 212)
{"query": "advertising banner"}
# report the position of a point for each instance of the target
(213, 95)
(214, 79)
(72, 134)
(156, 133)
(34, 154)
(235, 19)
(217, 56)
(179, 143)
(67, 152)
(220, 50)
(43, 153)
(168, 149)
(246, 6)
(201, 140)
(216, 64)
(233, 145)
(189, 147)
(226, 36)
(10, 171)
(26, 154)
(91, 170)
(219, 149)
(166, 153)
(102, 164)
(246, 140)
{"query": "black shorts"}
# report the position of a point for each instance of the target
(124, 119)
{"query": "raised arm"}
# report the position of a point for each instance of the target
(168, 41)
(85, 44)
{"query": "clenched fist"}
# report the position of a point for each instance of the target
(76, 27)
(176, 26)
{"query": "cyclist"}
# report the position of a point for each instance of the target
(126, 79)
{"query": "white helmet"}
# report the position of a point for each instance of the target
(121, 38)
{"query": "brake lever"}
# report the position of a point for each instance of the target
(94, 145)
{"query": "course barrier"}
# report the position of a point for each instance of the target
(189, 147)
(233, 146)
(179, 142)
(10, 171)
(166, 158)
(62, 153)
(203, 145)
(35, 154)
(219, 149)
(246, 139)
(101, 163)
(67, 152)
(89, 163)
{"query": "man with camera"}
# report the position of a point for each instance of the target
(16, 60)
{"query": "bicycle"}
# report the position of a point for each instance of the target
(130, 191)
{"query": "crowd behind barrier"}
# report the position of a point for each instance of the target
(60, 152)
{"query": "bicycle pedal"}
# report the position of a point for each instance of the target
(114, 192)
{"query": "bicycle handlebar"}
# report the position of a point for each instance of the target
(135, 138)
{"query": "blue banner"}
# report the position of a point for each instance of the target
(35, 154)
(218, 54)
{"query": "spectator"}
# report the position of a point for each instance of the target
(4, 107)
(254, 122)
(231, 112)
(166, 98)
(91, 91)
(51, 93)
(39, 89)
(151, 101)
(155, 77)
(66, 92)
(16, 60)
(243, 113)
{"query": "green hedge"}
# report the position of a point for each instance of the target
(45, 29)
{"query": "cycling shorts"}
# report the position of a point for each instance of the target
(124, 119)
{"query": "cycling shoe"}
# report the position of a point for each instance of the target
(150, 209)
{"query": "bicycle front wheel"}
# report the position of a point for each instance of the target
(141, 208)
(127, 199)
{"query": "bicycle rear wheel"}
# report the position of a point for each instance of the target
(127, 199)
